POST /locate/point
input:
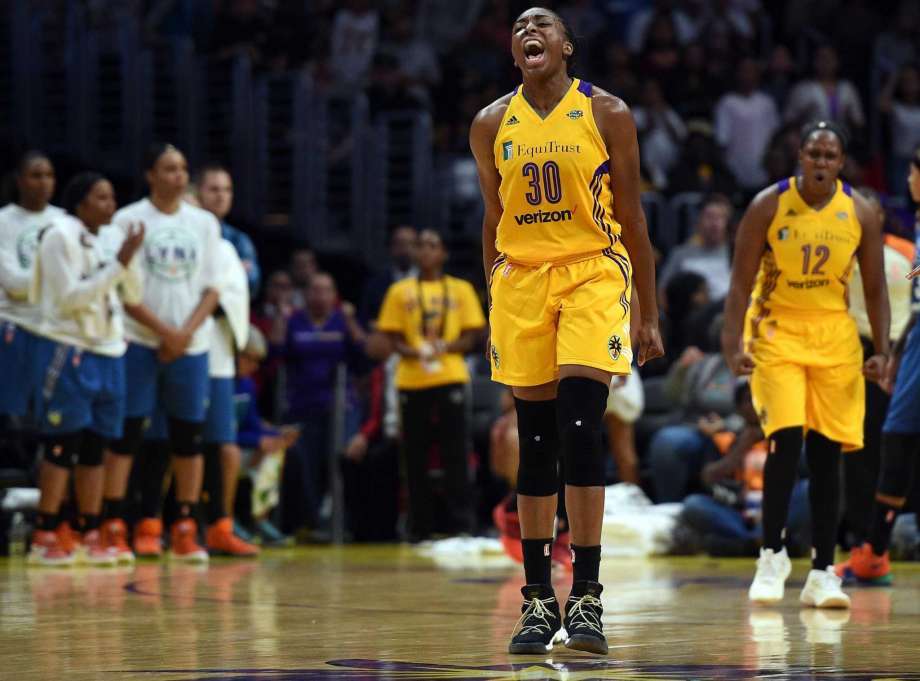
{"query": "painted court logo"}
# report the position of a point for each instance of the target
(615, 347)
(507, 150)
(172, 253)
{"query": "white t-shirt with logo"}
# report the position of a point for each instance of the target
(177, 264)
(231, 329)
(75, 284)
(19, 234)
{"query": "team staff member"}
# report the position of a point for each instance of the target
(799, 238)
(432, 320)
(169, 334)
(21, 223)
(563, 238)
(78, 361)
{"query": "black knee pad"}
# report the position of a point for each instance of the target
(91, 449)
(185, 437)
(897, 470)
(580, 406)
(538, 467)
(62, 449)
(131, 436)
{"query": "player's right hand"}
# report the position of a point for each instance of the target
(650, 343)
(742, 364)
(131, 244)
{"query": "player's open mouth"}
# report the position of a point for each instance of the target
(534, 54)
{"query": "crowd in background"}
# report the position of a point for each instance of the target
(718, 89)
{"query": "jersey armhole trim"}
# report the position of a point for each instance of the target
(782, 186)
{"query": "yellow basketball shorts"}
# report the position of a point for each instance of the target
(549, 315)
(808, 373)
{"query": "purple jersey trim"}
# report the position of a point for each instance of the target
(603, 168)
(847, 189)
(584, 87)
(782, 185)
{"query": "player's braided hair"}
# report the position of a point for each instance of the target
(812, 127)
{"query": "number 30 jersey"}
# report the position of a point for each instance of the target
(809, 254)
(555, 183)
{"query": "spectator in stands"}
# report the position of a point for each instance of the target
(898, 45)
(270, 315)
(825, 95)
(371, 466)
(417, 62)
(446, 23)
(702, 388)
(695, 93)
(433, 320)
(780, 76)
(318, 339)
(706, 252)
(661, 54)
(215, 194)
(352, 44)
(727, 519)
(781, 158)
(618, 74)
(403, 256)
(389, 88)
(701, 168)
(642, 24)
(746, 119)
(661, 132)
(262, 444)
(302, 267)
(624, 407)
(240, 28)
(900, 102)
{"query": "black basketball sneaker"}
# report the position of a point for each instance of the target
(583, 612)
(540, 625)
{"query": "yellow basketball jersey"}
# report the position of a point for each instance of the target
(555, 188)
(809, 256)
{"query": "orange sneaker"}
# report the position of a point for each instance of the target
(184, 544)
(93, 551)
(47, 550)
(148, 538)
(869, 568)
(221, 540)
(115, 537)
(69, 538)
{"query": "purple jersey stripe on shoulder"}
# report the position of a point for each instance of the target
(584, 87)
(782, 185)
(847, 189)
(516, 88)
(602, 169)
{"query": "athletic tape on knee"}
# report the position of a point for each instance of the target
(62, 449)
(91, 449)
(897, 468)
(538, 467)
(185, 437)
(581, 403)
(131, 437)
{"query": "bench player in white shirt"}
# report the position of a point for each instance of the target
(21, 223)
(78, 362)
(166, 363)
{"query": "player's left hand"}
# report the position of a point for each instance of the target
(875, 368)
(649, 341)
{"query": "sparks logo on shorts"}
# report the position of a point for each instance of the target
(172, 253)
(513, 120)
(575, 114)
(496, 360)
(507, 150)
(615, 347)
(539, 216)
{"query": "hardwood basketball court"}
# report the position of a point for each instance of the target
(386, 613)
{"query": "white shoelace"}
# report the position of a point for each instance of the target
(538, 610)
(581, 616)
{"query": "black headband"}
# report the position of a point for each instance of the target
(811, 128)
